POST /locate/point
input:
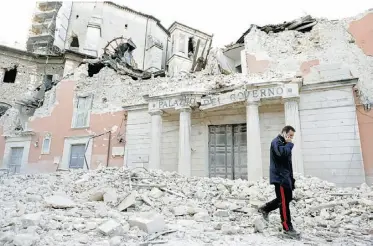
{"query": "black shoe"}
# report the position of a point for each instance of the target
(292, 233)
(263, 213)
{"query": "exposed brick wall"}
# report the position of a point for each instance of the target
(256, 66)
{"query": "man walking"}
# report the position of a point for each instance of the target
(281, 175)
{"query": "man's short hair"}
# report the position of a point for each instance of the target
(287, 129)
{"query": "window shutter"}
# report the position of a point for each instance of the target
(82, 112)
(46, 145)
(81, 118)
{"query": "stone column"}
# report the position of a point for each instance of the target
(292, 118)
(185, 152)
(156, 139)
(254, 149)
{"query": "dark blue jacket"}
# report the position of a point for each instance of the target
(281, 166)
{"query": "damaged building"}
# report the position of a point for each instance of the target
(141, 95)
(68, 41)
(312, 74)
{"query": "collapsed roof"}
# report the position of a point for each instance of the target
(118, 56)
(303, 24)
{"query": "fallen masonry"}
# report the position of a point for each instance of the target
(140, 207)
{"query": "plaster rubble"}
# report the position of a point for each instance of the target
(329, 42)
(320, 210)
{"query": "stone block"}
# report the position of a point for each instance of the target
(201, 217)
(148, 222)
(180, 210)
(111, 228)
(97, 196)
(26, 240)
(115, 241)
(59, 201)
(110, 195)
(129, 201)
(229, 229)
(221, 213)
(155, 193)
(146, 200)
(259, 224)
(31, 220)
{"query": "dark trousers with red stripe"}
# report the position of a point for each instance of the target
(283, 197)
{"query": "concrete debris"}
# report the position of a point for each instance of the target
(221, 217)
(180, 210)
(115, 241)
(110, 196)
(97, 196)
(146, 200)
(149, 222)
(129, 201)
(58, 201)
(25, 240)
(221, 213)
(31, 220)
(259, 224)
(111, 228)
(155, 193)
(121, 90)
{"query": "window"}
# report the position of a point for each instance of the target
(181, 43)
(46, 145)
(92, 40)
(82, 112)
(10, 75)
(228, 151)
(191, 45)
(74, 42)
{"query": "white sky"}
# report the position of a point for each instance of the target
(227, 20)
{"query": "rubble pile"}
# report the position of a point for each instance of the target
(139, 207)
(121, 90)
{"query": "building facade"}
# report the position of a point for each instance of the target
(228, 135)
(80, 27)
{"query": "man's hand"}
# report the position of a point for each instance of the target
(288, 139)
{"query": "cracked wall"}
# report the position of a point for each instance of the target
(57, 124)
(30, 72)
(117, 22)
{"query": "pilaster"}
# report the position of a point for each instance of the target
(292, 118)
(156, 139)
(185, 152)
(254, 150)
